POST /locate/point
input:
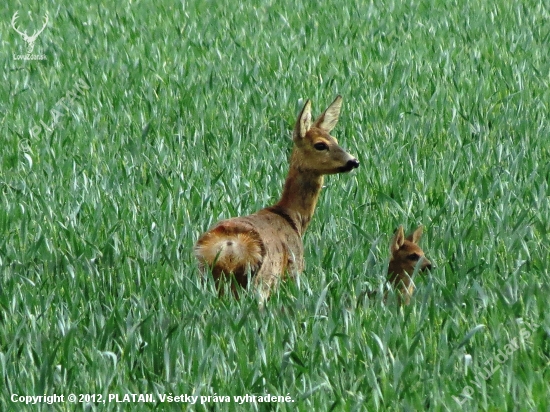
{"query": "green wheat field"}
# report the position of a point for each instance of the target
(140, 125)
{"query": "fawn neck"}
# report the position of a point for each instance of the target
(398, 276)
(300, 195)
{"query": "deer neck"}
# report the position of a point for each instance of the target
(300, 195)
(397, 275)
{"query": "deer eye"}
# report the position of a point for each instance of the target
(320, 146)
(413, 256)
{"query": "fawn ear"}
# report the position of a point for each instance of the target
(416, 235)
(398, 239)
(303, 124)
(329, 118)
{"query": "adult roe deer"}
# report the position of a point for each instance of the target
(261, 248)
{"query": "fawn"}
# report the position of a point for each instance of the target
(263, 247)
(405, 256)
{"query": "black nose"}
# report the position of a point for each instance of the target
(429, 267)
(352, 164)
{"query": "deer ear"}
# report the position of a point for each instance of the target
(398, 240)
(303, 124)
(416, 235)
(327, 121)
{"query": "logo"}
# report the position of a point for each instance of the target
(29, 39)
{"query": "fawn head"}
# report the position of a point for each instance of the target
(315, 150)
(405, 256)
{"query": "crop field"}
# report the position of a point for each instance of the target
(132, 128)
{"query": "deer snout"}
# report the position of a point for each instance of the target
(353, 164)
(350, 165)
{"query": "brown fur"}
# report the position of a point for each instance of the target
(268, 244)
(405, 255)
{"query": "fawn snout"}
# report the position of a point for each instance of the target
(428, 266)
